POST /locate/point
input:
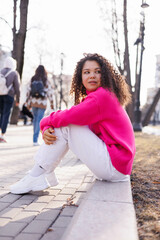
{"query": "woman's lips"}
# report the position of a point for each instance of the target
(92, 82)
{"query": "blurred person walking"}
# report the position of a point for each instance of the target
(39, 90)
(7, 98)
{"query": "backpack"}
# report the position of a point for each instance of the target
(37, 89)
(3, 87)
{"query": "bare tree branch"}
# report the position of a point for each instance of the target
(115, 38)
(6, 22)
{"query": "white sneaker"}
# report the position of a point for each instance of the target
(29, 183)
(2, 139)
(52, 179)
(35, 144)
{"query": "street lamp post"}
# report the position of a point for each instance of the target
(137, 126)
(61, 90)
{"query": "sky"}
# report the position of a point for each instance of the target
(74, 27)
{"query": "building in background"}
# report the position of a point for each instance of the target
(157, 76)
(151, 92)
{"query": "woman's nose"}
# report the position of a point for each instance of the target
(92, 75)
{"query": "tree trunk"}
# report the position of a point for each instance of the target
(19, 38)
(126, 60)
(124, 65)
(20, 35)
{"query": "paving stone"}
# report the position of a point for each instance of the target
(84, 187)
(77, 180)
(6, 238)
(8, 179)
(5, 185)
(21, 203)
(68, 191)
(44, 199)
(89, 179)
(38, 194)
(4, 221)
(63, 178)
(53, 192)
(73, 185)
(69, 211)
(3, 192)
(78, 196)
(48, 214)
(37, 226)
(12, 229)
(35, 207)
(59, 186)
(62, 197)
(62, 221)
(25, 216)
(3, 205)
(28, 236)
(55, 204)
(29, 197)
(10, 212)
(54, 234)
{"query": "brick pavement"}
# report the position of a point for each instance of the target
(39, 215)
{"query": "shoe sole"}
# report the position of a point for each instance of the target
(37, 188)
(3, 141)
(40, 188)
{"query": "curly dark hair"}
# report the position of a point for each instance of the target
(40, 75)
(110, 79)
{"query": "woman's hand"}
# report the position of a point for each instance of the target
(48, 136)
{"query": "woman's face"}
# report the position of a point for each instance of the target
(91, 75)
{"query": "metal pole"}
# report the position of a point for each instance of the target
(60, 101)
(61, 93)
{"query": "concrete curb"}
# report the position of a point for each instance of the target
(107, 212)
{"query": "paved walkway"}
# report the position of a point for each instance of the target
(155, 130)
(41, 215)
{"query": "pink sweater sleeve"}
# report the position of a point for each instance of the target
(85, 113)
(44, 124)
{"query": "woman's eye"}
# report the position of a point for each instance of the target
(98, 71)
(86, 72)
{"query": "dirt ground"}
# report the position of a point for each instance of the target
(145, 180)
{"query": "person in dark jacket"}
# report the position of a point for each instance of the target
(7, 100)
(24, 113)
(39, 104)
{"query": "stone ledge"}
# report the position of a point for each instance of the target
(107, 212)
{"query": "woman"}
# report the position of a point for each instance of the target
(39, 103)
(7, 100)
(97, 128)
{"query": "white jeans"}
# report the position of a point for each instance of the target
(90, 149)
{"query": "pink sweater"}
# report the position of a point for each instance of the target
(102, 112)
